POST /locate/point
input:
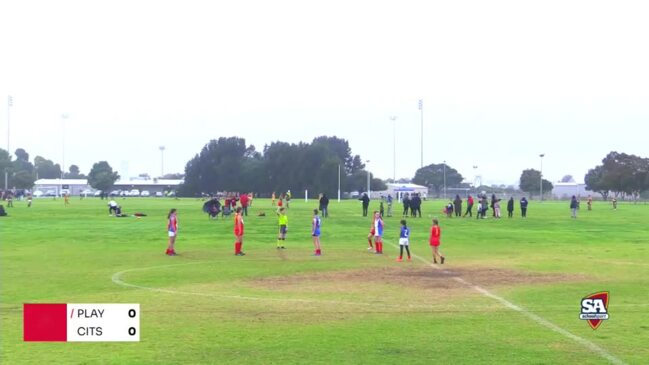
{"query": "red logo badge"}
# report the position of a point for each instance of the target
(594, 309)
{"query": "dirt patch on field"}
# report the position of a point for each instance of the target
(411, 277)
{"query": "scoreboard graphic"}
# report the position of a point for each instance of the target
(81, 322)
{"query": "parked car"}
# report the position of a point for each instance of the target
(50, 192)
(86, 192)
(134, 192)
(145, 193)
(158, 193)
(38, 194)
(97, 193)
(115, 193)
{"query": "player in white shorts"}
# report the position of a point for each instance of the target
(404, 240)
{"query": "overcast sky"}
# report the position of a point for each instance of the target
(501, 81)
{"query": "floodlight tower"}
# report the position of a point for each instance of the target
(162, 160)
(541, 178)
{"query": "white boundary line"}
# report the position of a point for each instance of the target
(536, 318)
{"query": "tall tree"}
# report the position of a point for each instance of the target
(101, 176)
(46, 169)
(432, 176)
(567, 179)
(530, 182)
(594, 180)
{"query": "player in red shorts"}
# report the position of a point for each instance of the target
(370, 236)
(172, 229)
(238, 233)
(435, 234)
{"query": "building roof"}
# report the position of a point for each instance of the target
(404, 187)
(152, 182)
(61, 182)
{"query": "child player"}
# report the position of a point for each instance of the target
(172, 229)
(404, 240)
(283, 227)
(315, 232)
(435, 234)
(370, 236)
(238, 233)
(378, 233)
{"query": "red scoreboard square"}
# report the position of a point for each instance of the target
(45, 322)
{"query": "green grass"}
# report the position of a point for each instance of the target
(346, 307)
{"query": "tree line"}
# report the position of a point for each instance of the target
(620, 174)
(229, 164)
(22, 173)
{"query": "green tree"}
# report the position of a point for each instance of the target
(22, 180)
(101, 176)
(595, 182)
(74, 173)
(432, 176)
(530, 182)
(46, 169)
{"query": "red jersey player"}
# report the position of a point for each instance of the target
(172, 229)
(238, 233)
(370, 236)
(435, 234)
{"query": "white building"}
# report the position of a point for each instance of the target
(567, 190)
(54, 187)
(398, 191)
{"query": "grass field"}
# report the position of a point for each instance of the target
(510, 291)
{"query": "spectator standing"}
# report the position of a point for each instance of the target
(389, 200)
(324, 205)
(366, 203)
(406, 205)
(524, 207)
(244, 200)
(574, 205)
(469, 206)
(510, 207)
(457, 205)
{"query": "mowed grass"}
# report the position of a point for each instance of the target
(349, 306)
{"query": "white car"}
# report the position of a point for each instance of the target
(87, 192)
(134, 192)
(97, 193)
(38, 194)
(158, 193)
(145, 193)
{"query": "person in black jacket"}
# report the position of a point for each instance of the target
(510, 207)
(457, 205)
(415, 206)
(574, 205)
(493, 204)
(406, 205)
(324, 205)
(366, 203)
(524, 207)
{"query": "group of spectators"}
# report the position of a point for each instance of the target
(214, 208)
(454, 207)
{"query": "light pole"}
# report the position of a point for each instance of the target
(64, 116)
(475, 177)
(162, 160)
(369, 193)
(444, 179)
(338, 183)
(394, 148)
(421, 110)
(10, 103)
(541, 178)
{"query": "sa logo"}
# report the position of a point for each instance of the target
(594, 309)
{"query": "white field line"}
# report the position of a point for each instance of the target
(536, 318)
